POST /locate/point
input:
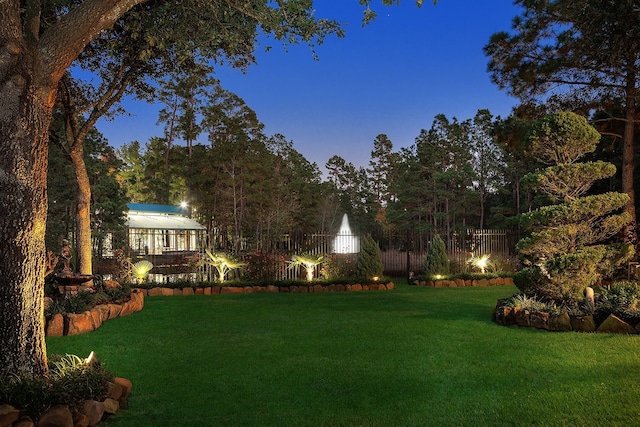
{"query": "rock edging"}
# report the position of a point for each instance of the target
(90, 412)
(222, 290)
(510, 316)
(461, 283)
(81, 323)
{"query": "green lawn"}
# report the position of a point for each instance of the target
(407, 357)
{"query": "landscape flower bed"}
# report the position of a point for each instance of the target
(78, 392)
(273, 288)
(462, 282)
(62, 324)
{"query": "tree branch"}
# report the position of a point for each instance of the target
(61, 44)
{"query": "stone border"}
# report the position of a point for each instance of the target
(74, 324)
(91, 413)
(222, 290)
(462, 283)
(509, 316)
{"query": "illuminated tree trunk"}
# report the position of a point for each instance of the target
(26, 104)
(628, 163)
(83, 215)
(31, 65)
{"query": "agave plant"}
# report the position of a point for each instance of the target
(141, 270)
(307, 261)
(223, 263)
(480, 262)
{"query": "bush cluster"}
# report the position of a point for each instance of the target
(85, 300)
(568, 246)
(71, 381)
(620, 298)
(369, 264)
(262, 266)
(339, 266)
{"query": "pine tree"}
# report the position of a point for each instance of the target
(563, 253)
(369, 264)
(436, 261)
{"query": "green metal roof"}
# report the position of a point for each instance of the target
(152, 208)
(160, 217)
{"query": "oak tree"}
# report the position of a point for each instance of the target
(39, 40)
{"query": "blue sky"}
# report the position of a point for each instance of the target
(392, 77)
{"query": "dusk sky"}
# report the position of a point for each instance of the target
(392, 77)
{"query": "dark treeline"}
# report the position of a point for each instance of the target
(458, 174)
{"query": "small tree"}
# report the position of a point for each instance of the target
(223, 263)
(369, 264)
(141, 270)
(436, 261)
(306, 261)
(563, 253)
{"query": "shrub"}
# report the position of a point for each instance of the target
(263, 266)
(307, 261)
(339, 266)
(369, 264)
(71, 381)
(563, 252)
(78, 303)
(621, 299)
(436, 261)
(533, 303)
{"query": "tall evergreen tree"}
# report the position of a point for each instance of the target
(565, 252)
(585, 51)
(369, 264)
(486, 161)
(436, 262)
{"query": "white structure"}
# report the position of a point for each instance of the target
(345, 242)
(162, 229)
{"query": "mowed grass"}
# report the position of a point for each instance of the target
(408, 357)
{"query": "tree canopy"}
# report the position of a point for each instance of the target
(585, 53)
(40, 40)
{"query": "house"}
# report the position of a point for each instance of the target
(156, 230)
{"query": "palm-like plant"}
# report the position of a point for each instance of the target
(306, 261)
(223, 263)
(141, 270)
(481, 262)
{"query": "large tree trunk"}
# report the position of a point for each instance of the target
(31, 64)
(26, 99)
(83, 215)
(628, 163)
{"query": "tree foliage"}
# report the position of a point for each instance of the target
(565, 252)
(369, 263)
(108, 198)
(40, 41)
(436, 261)
(584, 55)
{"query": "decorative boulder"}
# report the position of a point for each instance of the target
(79, 323)
(522, 318)
(94, 411)
(58, 416)
(560, 323)
(110, 284)
(55, 326)
(539, 319)
(615, 325)
(8, 414)
(583, 324)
